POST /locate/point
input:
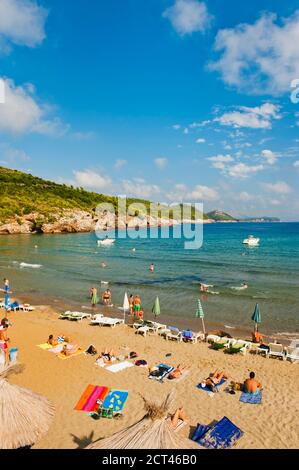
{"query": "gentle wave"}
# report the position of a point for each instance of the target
(28, 265)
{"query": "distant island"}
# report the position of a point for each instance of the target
(29, 204)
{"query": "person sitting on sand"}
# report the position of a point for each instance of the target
(67, 351)
(177, 372)
(179, 414)
(251, 385)
(214, 380)
(5, 323)
(257, 337)
(60, 339)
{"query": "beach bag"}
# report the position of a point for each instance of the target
(133, 354)
(141, 362)
(13, 354)
(91, 350)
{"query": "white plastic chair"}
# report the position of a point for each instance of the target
(276, 350)
(292, 354)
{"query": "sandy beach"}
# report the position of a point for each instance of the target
(273, 424)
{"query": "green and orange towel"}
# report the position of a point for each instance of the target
(96, 397)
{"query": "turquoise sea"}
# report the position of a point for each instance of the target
(64, 267)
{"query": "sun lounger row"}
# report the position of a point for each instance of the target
(271, 350)
(15, 307)
(170, 333)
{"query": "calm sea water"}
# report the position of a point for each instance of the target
(71, 264)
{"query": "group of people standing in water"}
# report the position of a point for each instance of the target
(106, 297)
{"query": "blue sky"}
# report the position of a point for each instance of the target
(171, 100)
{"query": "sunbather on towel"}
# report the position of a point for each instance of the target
(251, 385)
(61, 338)
(178, 415)
(214, 380)
(107, 357)
(67, 351)
(157, 371)
(177, 372)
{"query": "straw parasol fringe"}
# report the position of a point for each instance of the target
(151, 432)
(24, 415)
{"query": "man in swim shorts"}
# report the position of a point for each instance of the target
(251, 385)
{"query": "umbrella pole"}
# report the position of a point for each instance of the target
(203, 326)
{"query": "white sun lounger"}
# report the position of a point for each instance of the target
(213, 338)
(276, 350)
(75, 316)
(292, 354)
(175, 334)
(108, 321)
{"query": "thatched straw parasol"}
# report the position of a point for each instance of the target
(24, 415)
(151, 432)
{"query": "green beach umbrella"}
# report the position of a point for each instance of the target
(256, 317)
(156, 308)
(200, 314)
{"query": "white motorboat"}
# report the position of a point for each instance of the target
(106, 242)
(251, 241)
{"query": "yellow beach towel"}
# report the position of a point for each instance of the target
(63, 357)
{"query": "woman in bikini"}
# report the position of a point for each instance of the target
(106, 297)
(178, 415)
(214, 380)
(4, 340)
(107, 357)
(131, 303)
(177, 372)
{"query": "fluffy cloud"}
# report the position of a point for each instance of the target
(296, 164)
(200, 141)
(269, 156)
(22, 22)
(203, 193)
(188, 16)
(280, 187)
(22, 113)
(140, 189)
(220, 161)
(262, 57)
(259, 117)
(161, 163)
(90, 179)
(241, 170)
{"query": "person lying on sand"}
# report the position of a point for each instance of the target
(177, 372)
(107, 357)
(67, 351)
(212, 382)
(178, 415)
(251, 385)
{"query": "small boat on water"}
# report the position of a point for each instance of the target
(251, 241)
(106, 242)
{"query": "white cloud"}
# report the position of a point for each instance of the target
(296, 164)
(120, 164)
(140, 190)
(244, 196)
(280, 187)
(90, 179)
(188, 16)
(161, 163)
(200, 141)
(22, 113)
(186, 130)
(241, 170)
(22, 22)
(203, 193)
(262, 57)
(221, 158)
(269, 156)
(259, 117)
(176, 127)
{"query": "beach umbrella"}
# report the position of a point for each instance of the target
(126, 305)
(24, 415)
(200, 314)
(156, 308)
(150, 432)
(256, 317)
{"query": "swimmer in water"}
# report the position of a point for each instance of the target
(244, 285)
(152, 268)
(104, 265)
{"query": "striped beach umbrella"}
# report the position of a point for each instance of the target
(256, 317)
(156, 308)
(200, 314)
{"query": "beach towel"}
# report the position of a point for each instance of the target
(254, 399)
(167, 370)
(221, 436)
(90, 397)
(120, 366)
(185, 373)
(206, 389)
(44, 346)
(77, 353)
(115, 400)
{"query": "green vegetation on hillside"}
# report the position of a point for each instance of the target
(219, 216)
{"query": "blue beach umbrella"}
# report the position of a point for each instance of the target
(156, 308)
(200, 314)
(256, 317)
